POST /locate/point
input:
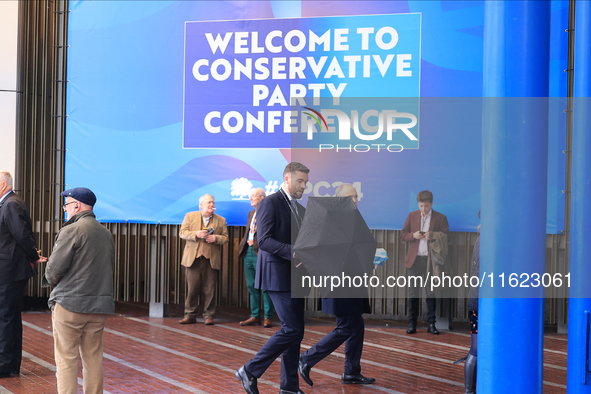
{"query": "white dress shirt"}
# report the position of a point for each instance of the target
(423, 243)
(252, 229)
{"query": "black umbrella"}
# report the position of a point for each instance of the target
(336, 247)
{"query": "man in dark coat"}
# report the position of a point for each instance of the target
(18, 254)
(279, 220)
(350, 328)
(249, 249)
(80, 270)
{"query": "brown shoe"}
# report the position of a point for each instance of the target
(251, 321)
(267, 323)
(188, 320)
(209, 321)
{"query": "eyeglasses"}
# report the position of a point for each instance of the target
(66, 204)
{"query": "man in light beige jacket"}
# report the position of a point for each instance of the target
(205, 233)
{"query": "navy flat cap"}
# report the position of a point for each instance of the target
(81, 194)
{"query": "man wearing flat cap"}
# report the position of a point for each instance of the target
(80, 270)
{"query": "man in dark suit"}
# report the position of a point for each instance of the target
(249, 249)
(18, 254)
(416, 230)
(278, 223)
(350, 328)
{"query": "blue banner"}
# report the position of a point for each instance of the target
(169, 100)
(242, 77)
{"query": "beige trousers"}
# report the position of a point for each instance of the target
(75, 333)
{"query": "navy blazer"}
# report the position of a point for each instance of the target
(18, 248)
(277, 231)
(243, 247)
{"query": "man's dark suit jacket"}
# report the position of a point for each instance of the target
(277, 230)
(244, 241)
(413, 224)
(17, 242)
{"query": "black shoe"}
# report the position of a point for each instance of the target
(305, 371)
(249, 382)
(432, 329)
(412, 328)
(356, 379)
(470, 374)
(291, 392)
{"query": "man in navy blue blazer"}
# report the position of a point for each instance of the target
(350, 328)
(18, 253)
(279, 218)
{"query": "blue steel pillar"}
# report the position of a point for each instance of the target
(514, 191)
(579, 307)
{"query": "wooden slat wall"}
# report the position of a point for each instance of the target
(41, 111)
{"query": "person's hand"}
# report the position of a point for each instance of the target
(201, 234)
(41, 260)
(426, 236)
(418, 235)
(296, 260)
(211, 238)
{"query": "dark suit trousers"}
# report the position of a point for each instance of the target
(419, 268)
(11, 326)
(285, 342)
(350, 329)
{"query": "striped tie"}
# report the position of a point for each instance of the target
(295, 212)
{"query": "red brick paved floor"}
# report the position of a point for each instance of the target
(144, 355)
